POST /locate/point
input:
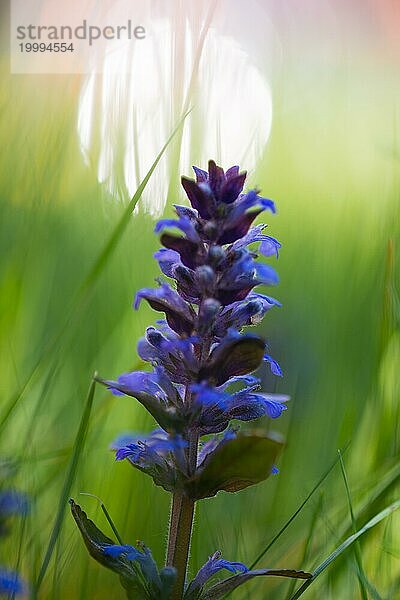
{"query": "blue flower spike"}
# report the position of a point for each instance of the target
(200, 380)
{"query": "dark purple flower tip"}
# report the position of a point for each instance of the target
(200, 196)
(232, 188)
(214, 186)
(232, 172)
(201, 175)
(243, 212)
(216, 177)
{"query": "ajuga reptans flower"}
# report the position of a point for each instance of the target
(200, 380)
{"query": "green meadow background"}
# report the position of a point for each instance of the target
(66, 287)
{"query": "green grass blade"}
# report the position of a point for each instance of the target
(21, 543)
(346, 544)
(297, 511)
(111, 243)
(107, 516)
(374, 495)
(307, 545)
(87, 284)
(357, 551)
(68, 482)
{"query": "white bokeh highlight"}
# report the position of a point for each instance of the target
(127, 113)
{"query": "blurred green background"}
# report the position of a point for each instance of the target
(331, 165)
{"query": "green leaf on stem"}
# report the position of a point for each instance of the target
(238, 463)
(96, 541)
(228, 585)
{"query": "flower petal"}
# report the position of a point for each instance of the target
(214, 564)
(233, 356)
(167, 300)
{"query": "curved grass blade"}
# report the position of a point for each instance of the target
(346, 544)
(68, 482)
(294, 515)
(22, 541)
(373, 496)
(83, 291)
(187, 100)
(307, 545)
(357, 550)
(124, 220)
(107, 516)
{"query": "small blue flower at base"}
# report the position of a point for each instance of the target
(157, 580)
(130, 552)
(214, 564)
(13, 503)
(11, 583)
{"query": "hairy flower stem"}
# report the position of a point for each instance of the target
(180, 527)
